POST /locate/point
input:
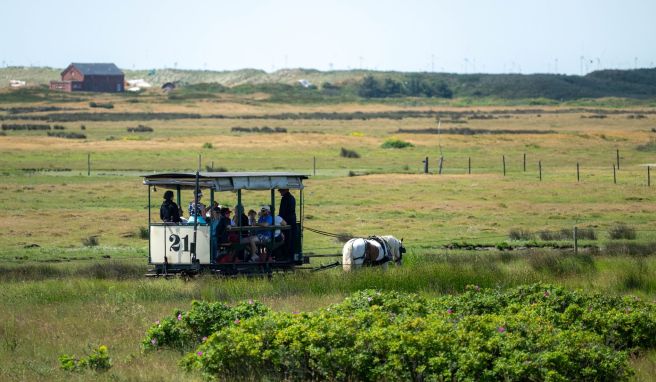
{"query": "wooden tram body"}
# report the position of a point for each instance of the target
(187, 249)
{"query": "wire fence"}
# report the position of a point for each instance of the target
(562, 238)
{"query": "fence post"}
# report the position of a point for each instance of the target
(578, 178)
(314, 166)
(212, 165)
(614, 175)
(469, 165)
(503, 158)
(648, 176)
(441, 163)
(425, 165)
(199, 161)
(88, 164)
(524, 162)
(540, 169)
(618, 158)
(576, 241)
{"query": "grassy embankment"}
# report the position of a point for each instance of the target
(66, 297)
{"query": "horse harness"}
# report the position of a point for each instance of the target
(369, 259)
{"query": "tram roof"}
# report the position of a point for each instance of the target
(228, 181)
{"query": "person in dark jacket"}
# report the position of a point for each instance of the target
(222, 228)
(169, 211)
(287, 211)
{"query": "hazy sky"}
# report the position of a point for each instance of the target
(411, 35)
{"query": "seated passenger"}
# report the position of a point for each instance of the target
(264, 236)
(245, 237)
(278, 236)
(197, 211)
(169, 212)
(221, 229)
(239, 214)
(252, 217)
(216, 216)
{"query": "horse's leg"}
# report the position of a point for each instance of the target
(347, 256)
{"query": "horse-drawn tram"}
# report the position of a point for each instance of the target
(207, 238)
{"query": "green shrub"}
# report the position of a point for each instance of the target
(208, 145)
(396, 144)
(107, 105)
(536, 332)
(98, 360)
(183, 330)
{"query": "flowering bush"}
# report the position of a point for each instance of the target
(184, 330)
(536, 332)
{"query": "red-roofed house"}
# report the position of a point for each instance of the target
(90, 78)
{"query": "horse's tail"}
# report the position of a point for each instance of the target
(347, 255)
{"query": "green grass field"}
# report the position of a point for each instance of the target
(62, 296)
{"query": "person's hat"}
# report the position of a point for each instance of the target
(267, 208)
(168, 194)
(225, 210)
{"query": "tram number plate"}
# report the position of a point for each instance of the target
(175, 243)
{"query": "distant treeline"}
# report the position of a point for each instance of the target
(415, 86)
(639, 83)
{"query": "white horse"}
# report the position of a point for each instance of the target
(375, 250)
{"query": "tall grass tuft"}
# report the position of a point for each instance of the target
(587, 233)
(631, 249)
(209, 168)
(346, 153)
(563, 234)
(520, 234)
(91, 241)
(622, 231)
(561, 263)
(144, 233)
